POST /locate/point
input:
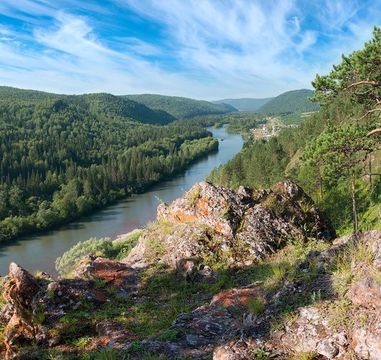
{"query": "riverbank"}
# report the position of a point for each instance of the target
(39, 251)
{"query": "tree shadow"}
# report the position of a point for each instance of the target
(171, 317)
(283, 288)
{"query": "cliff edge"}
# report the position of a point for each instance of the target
(222, 274)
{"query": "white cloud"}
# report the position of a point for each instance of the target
(220, 48)
(245, 44)
(139, 47)
(70, 59)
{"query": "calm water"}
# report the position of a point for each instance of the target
(39, 252)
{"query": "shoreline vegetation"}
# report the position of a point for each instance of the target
(12, 228)
(67, 156)
(63, 156)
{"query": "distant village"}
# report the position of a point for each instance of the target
(270, 129)
(272, 125)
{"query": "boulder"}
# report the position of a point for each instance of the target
(236, 297)
(219, 225)
(35, 306)
(366, 342)
(204, 204)
(112, 272)
(311, 332)
(19, 290)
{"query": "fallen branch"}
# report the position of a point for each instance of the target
(373, 132)
(369, 112)
(364, 82)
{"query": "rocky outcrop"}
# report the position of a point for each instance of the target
(335, 328)
(36, 306)
(216, 224)
(19, 292)
(324, 302)
(113, 273)
(311, 332)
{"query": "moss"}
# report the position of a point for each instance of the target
(193, 195)
(38, 314)
(344, 269)
(121, 248)
(82, 342)
(256, 306)
(162, 297)
(72, 326)
(260, 354)
(155, 248)
(310, 355)
(273, 204)
(168, 335)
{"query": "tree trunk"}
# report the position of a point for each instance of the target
(370, 171)
(354, 209)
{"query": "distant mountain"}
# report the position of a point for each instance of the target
(8, 93)
(181, 107)
(97, 104)
(295, 101)
(244, 104)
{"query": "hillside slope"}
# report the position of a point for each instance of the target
(203, 243)
(295, 101)
(64, 156)
(181, 107)
(96, 104)
(244, 104)
(222, 274)
(111, 105)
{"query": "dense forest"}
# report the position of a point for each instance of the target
(105, 104)
(245, 104)
(295, 101)
(181, 107)
(62, 156)
(330, 154)
(241, 122)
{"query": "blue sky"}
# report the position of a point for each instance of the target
(205, 49)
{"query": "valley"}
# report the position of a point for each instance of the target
(149, 227)
(39, 251)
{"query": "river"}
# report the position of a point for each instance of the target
(38, 252)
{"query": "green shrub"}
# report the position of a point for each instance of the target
(71, 258)
(122, 248)
(261, 354)
(168, 335)
(107, 354)
(82, 342)
(2, 300)
(256, 306)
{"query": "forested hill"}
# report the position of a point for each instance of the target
(335, 152)
(244, 104)
(295, 101)
(101, 103)
(62, 156)
(181, 107)
(112, 105)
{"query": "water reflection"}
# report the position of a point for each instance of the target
(38, 252)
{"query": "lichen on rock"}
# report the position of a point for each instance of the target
(233, 275)
(234, 228)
